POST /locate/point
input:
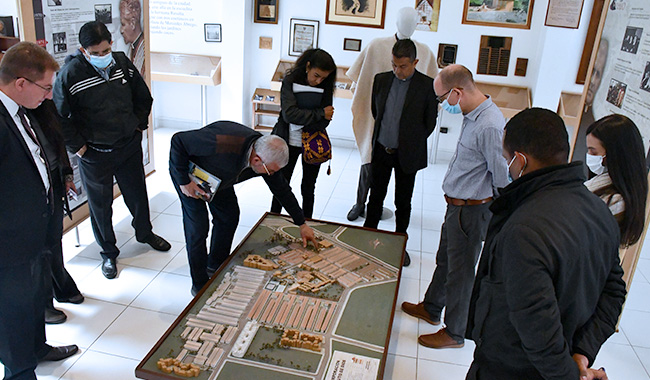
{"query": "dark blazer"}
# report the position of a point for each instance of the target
(24, 211)
(417, 121)
(221, 148)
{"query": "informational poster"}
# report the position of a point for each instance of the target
(620, 81)
(345, 366)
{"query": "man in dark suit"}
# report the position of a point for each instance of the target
(405, 110)
(233, 153)
(26, 76)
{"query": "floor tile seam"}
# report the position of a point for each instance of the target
(106, 329)
(443, 361)
(111, 354)
(646, 369)
(175, 315)
(143, 289)
(83, 352)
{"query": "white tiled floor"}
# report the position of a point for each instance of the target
(121, 319)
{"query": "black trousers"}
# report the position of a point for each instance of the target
(308, 186)
(22, 320)
(97, 172)
(225, 217)
(363, 188)
(381, 167)
(462, 232)
(58, 281)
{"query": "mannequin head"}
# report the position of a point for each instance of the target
(407, 19)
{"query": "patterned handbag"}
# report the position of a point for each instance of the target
(316, 147)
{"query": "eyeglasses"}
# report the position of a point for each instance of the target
(265, 168)
(440, 98)
(46, 89)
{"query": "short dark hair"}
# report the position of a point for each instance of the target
(94, 33)
(405, 48)
(625, 161)
(26, 60)
(539, 133)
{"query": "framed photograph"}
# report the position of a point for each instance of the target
(368, 13)
(303, 36)
(212, 32)
(506, 14)
(266, 11)
(564, 13)
(351, 44)
(7, 26)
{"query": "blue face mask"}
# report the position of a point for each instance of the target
(101, 62)
(455, 109)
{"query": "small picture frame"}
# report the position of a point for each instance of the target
(303, 36)
(351, 44)
(212, 32)
(266, 11)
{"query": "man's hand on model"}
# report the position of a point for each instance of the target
(193, 190)
(308, 235)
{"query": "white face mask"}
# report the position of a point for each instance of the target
(595, 164)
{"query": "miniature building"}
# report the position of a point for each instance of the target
(257, 261)
(325, 244)
(170, 365)
(294, 338)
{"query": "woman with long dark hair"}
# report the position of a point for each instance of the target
(616, 155)
(306, 96)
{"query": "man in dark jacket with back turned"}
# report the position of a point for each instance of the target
(549, 287)
(105, 105)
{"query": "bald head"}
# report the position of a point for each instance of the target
(457, 76)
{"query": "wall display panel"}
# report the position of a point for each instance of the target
(619, 83)
(276, 310)
(266, 11)
(503, 13)
(303, 35)
(564, 13)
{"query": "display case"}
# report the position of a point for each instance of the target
(266, 108)
(343, 83)
(186, 68)
(510, 99)
(569, 108)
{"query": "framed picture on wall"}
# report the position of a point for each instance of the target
(266, 11)
(506, 14)
(368, 13)
(302, 36)
(351, 44)
(212, 32)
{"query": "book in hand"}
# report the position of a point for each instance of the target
(206, 181)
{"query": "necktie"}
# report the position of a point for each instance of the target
(32, 135)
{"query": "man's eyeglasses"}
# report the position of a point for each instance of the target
(46, 89)
(440, 98)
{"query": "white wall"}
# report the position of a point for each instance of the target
(553, 55)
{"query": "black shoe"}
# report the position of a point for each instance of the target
(210, 272)
(157, 243)
(109, 268)
(59, 353)
(54, 316)
(194, 291)
(79, 298)
(356, 211)
(407, 259)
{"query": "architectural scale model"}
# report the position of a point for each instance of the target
(277, 310)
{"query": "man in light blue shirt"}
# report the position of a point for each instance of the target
(475, 172)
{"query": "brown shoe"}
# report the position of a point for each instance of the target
(441, 339)
(418, 311)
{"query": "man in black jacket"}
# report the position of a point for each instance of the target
(26, 200)
(549, 288)
(233, 153)
(105, 105)
(405, 110)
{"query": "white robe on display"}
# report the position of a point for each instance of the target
(374, 59)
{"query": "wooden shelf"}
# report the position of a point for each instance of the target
(266, 103)
(510, 99)
(186, 68)
(569, 108)
(343, 83)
